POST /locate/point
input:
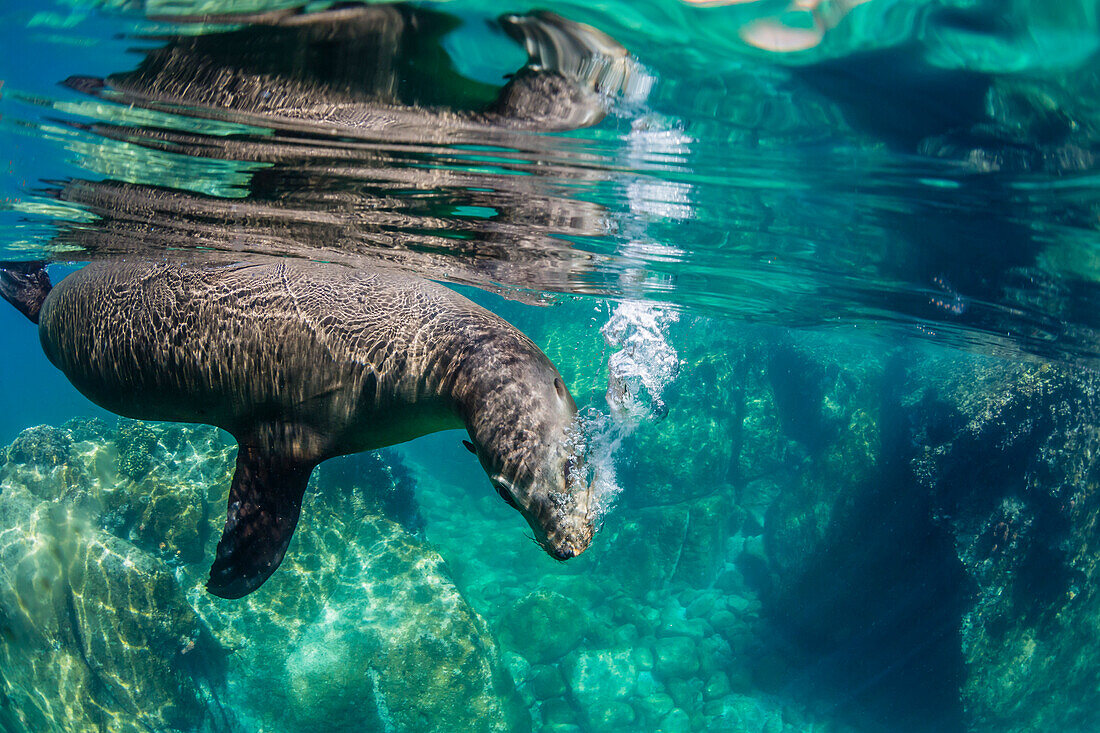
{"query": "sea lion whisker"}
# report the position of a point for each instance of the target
(544, 546)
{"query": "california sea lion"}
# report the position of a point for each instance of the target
(303, 361)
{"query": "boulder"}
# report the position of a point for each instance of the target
(598, 676)
(101, 625)
(43, 446)
(1016, 484)
(543, 626)
(363, 629)
(675, 657)
(39, 459)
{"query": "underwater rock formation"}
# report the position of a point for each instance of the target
(101, 598)
(100, 625)
(42, 446)
(936, 553)
(1016, 483)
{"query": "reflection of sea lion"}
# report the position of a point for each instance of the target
(320, 84)
(303, 361)
(375, 68)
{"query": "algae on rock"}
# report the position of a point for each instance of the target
(44, 446)
(362, 624)
(93, 618)
(102, 571)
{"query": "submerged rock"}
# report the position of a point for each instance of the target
(742, 713)
(1018, 487)
(44, 446)
(40, 459)
(675, 657)
(598, 677)
(543, 626)
(102, 599)
(101, 626)
(87, 428)
(546, 681)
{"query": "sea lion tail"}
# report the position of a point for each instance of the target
(265, 501)
(25, 285)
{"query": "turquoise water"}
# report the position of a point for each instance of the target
(820, 276)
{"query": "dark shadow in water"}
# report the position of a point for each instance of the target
(897, 96)
(983, 243)
(875, 616)
(799, 385)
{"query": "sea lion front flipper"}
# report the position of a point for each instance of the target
(25, 285)
(264, 503)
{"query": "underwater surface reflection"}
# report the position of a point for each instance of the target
(775, 321)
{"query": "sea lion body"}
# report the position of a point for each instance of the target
(304, 361)
(347, 362)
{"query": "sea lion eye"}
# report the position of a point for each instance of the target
(503, 493)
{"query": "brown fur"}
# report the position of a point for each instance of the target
(303, 361)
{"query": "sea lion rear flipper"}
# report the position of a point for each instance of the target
(25, 285)
(264, 503)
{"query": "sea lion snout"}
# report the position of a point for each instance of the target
(566, 552)
(568, 547)
(562, 521)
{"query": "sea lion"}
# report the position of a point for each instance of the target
(302, 361)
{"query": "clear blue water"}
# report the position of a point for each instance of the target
(821, 277)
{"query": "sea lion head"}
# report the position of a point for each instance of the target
(526, 435)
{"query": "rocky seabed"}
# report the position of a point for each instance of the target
(839, 542)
